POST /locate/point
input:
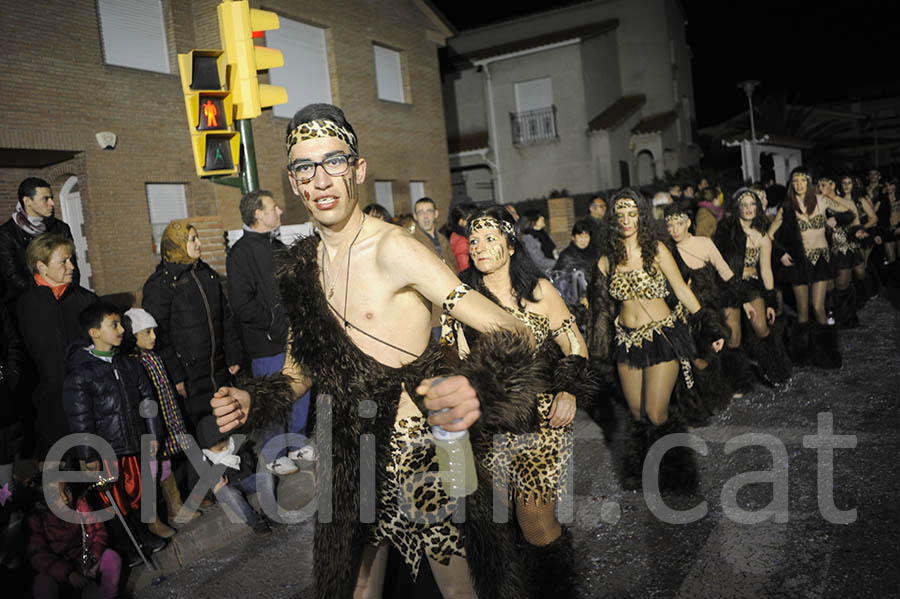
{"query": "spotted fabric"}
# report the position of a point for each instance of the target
(451, 329)
(320, 128)
(489, 222)
(646, 333)
(751, 256)
(415, 516)
(638, 284)
(816, 254)
(842, 243)
(534, 466)
(816, 222)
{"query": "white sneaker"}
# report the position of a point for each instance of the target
(307, 453)
(282, 466)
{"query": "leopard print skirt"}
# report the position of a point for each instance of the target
(416, 512)
(533, 467)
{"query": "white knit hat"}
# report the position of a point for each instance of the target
(140, 320)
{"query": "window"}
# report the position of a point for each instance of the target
(416, 191)
(166, 202)
(535, 119)
(388, 74)
(384, 195)
(305, 73)
(534, 94)
(133, 34)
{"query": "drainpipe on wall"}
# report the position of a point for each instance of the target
(492, 124)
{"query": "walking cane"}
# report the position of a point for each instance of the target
(101, 484)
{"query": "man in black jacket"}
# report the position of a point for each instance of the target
(254, 297)
(33, 216)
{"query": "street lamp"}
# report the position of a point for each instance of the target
(748, 87)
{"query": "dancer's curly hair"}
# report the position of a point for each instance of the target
(648, 231)
(759, 222)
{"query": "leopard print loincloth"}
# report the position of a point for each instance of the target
(534, 467)
(416, 512)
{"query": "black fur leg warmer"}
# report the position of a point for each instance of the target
(772, 358)
(551, 569)
(823, 346)
(737, 369)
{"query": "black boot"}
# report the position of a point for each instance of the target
(737, 369)
(823, 347)
(845, 309)
(551, 569)
(772, 358)
(798, 344)
(678, 468)
(632, 464)
(861, 289)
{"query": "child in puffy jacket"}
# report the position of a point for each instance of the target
(70, 555)
(107, 394)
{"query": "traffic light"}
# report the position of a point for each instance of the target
(209, 106)
(238, 25)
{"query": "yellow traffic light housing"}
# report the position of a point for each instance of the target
(237, 24)
(209, 107)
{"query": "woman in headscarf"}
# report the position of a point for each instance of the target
(196, 334)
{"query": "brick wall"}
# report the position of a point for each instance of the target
(58, 93)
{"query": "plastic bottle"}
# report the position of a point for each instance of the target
(454, 453)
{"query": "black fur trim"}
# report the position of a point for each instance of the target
(770, 296)
(574, 375)
(271, 400)
(735, 292)
(507, 374)
(711, 394)
(707, 326)
(602, 312)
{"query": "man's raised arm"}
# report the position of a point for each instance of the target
(409, 263)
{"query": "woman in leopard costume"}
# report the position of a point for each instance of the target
(535, 466)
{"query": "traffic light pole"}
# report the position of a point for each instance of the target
(249, 178)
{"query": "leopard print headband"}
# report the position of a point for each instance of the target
(489, 222)
(321, 128)
(623, 203)
(676, 217)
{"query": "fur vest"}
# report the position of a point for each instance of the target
(503, 369)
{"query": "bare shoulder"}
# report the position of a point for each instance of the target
(394, 242)
(603, 265)
(662, 251)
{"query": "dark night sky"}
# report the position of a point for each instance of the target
(809, 51)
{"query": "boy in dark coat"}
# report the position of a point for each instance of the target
(107, 394)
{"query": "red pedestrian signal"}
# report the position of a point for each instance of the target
(214, 141)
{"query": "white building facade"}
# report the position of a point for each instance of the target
(584, 98)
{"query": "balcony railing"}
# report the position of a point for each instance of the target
(533, 126)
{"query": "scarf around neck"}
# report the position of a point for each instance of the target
(33, 225)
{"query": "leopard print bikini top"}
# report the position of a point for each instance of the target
(816, 222)
(751, 256)
(539, 324)
(638, 284)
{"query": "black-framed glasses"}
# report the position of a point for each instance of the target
(336, 165)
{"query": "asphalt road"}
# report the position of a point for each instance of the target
(753, 539)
